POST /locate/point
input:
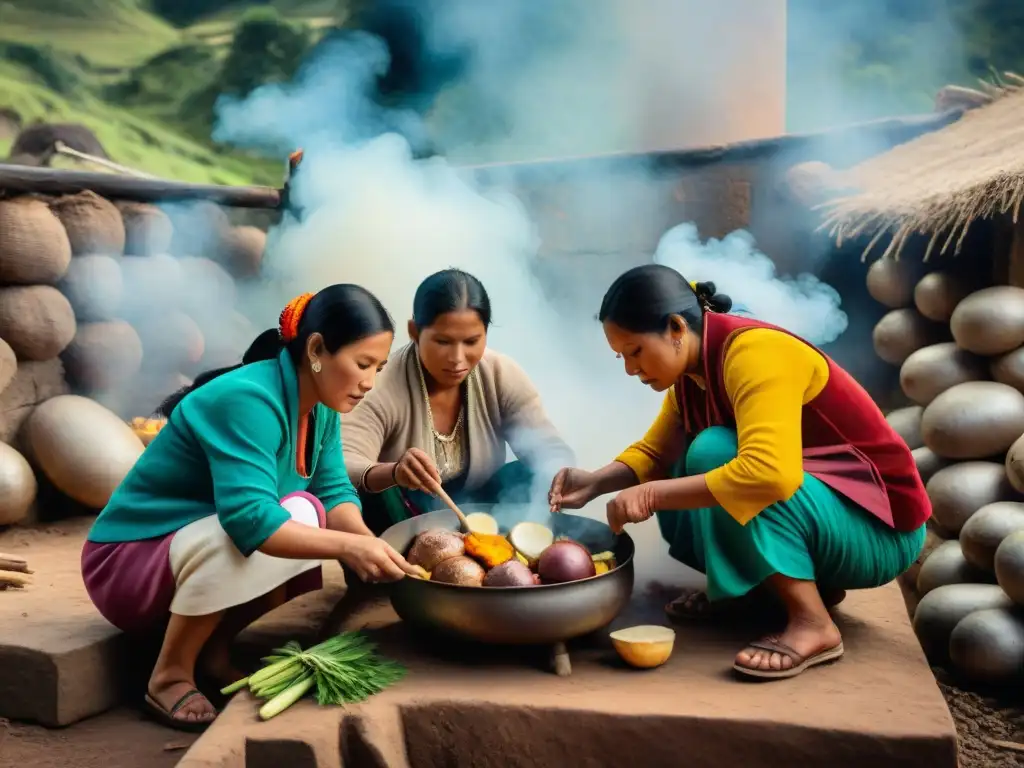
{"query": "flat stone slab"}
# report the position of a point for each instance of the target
(483, 707)
(60, 661)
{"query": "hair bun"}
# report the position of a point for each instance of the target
(713, 301)
(290, 317)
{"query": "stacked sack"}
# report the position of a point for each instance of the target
(961, 357)
(99, 322)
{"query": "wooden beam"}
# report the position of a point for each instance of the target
(51, 181)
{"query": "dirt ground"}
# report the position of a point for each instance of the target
(981, 724)
(123, 738)
(117, 739)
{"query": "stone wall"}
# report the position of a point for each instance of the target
(955, 329)
(105, 309)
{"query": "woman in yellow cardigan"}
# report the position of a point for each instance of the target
(793, 485)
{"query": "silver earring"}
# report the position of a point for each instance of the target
(316, 366)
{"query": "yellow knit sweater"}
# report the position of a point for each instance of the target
(769, 377)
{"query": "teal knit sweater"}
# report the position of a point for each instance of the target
(228, 449)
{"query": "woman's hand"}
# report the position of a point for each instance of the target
(633, 505)
(571, 489)
(374, 560)
(416, 471)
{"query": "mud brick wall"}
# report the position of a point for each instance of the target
(953, 328)
(105, 309)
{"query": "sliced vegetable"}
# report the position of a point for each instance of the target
(601, 557)
(530, 539)
(481, 522)
(489, 549)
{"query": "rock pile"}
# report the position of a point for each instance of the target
(961, 357)
(105, 309)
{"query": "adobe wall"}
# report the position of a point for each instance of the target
(104, 310)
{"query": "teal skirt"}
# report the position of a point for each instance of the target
(816, 535)
(510, 485)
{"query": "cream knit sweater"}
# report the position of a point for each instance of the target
(502, 407)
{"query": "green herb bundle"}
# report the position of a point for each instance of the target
(344, 669)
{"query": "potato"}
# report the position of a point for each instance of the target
(931, 370)
(990, 321)
(974, 420)
(904, 331)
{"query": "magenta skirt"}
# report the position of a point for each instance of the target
(132, 586)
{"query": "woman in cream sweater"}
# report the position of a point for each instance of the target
(442, 412)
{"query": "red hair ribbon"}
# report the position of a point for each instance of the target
(291, 315)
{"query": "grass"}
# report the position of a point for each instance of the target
(132, 78)
(133, 140)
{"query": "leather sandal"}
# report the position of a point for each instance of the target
(168, 717)
(798, 663)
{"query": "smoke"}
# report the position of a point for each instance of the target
(803, 305)
(534, 85)
(852, 62)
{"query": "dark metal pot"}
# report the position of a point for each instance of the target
(542, 614)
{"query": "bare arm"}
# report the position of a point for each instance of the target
(371, 558)
(297, 541)
(682, 493)
(379, 477)
(347, 518)
(613, 477)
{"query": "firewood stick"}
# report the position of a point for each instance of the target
(16, 580)
(13, 565)
(1008, 745)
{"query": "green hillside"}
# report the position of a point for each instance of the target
(141, 83)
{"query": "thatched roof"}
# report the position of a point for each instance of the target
(938, 183)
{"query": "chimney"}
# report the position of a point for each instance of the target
(707, 73)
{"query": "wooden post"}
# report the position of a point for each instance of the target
(50, 181)
(1015, 268)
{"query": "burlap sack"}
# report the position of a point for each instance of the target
(147, 229)
(18, 487)
(172, 341)
(102, 354)
(242, 251)
(199, 228)
(34, 383)
(93, 224)
(83, 448)
(152, 285)
(94, 286)
(8, 364)
(34, 248)
(37, 321)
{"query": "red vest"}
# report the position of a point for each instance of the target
(848, 444)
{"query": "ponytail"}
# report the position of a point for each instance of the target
(644, 299)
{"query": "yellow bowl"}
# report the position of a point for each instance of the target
(646, 646)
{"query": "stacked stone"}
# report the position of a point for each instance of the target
(961, 355)
(92, 302)
(36, 324)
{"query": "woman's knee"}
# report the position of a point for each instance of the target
(710, 449)
(305, 508)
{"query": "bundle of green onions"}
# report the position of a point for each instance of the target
(344, 669)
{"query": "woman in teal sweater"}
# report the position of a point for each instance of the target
(231, 509)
